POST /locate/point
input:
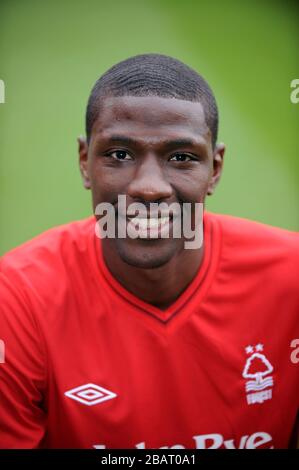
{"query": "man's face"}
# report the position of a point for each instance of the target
(151, 150)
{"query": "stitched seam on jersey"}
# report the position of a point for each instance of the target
(212, 234)
(178, 310)
(217, 266)
(144, 309)
(175, 313)
(215, 270)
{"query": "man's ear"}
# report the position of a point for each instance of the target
(218, 156)
(83, 161)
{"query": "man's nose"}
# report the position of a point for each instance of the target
(149, 182)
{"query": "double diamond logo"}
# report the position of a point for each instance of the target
(90, 394)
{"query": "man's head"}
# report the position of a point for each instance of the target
(153, 75)
(151, 126)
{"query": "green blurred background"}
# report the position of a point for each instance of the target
(51, 53)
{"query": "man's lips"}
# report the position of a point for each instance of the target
(149, 222)
(148, 215)
(148, 225)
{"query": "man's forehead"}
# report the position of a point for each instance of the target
(150, 112)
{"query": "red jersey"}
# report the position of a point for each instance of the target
(90, 365)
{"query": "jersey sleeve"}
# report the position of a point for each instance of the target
(22, 371)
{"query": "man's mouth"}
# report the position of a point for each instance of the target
(149, 227)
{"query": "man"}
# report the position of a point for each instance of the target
(139, 342)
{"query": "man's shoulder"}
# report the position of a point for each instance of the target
(251, 242)
(249, 231)
(49, 251)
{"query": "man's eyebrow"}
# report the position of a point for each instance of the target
(184, 142)
(172, 143)
(121, 139)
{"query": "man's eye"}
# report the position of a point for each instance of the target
(181, 157)
(120, 155)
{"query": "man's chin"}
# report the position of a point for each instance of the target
(146, 257)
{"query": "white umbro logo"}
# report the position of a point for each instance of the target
(90, 394)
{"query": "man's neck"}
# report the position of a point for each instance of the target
(159, 286)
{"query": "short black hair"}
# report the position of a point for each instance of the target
(153, 74)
